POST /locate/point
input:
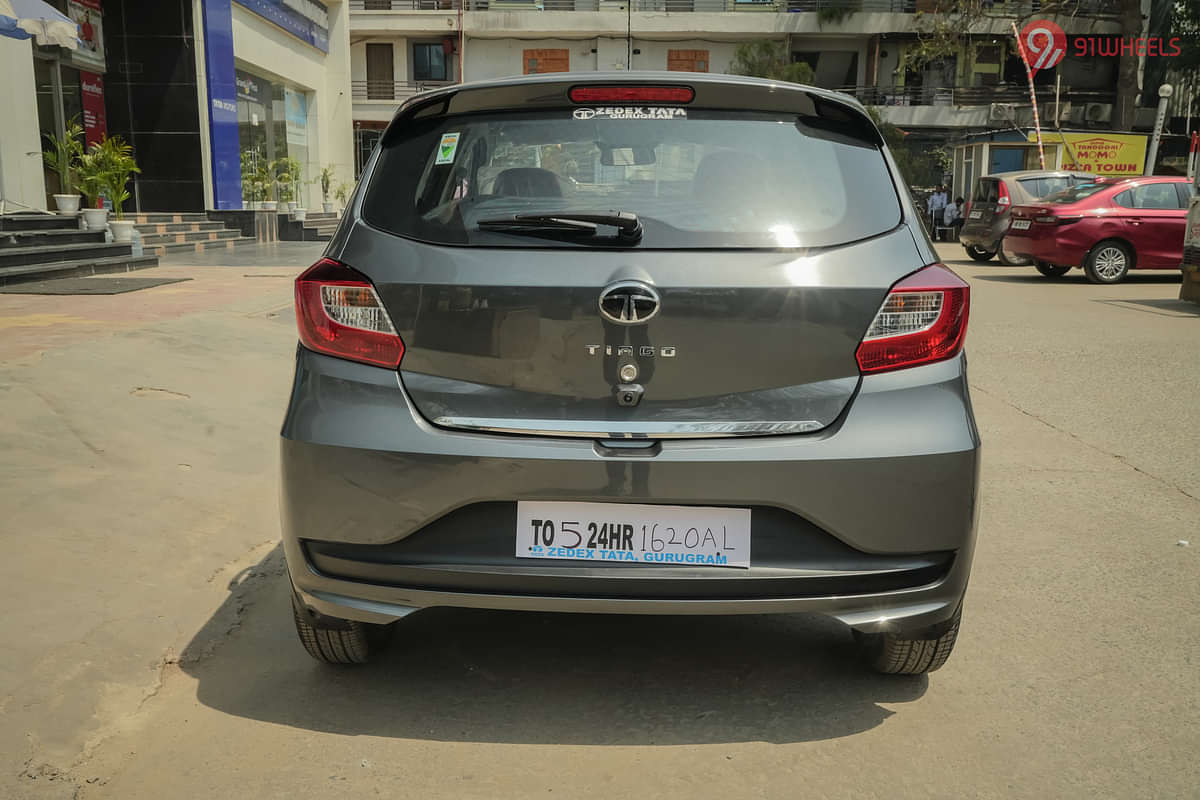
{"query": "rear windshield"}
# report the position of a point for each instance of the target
(1042, 187)
(696, 179)
(1077, 192)
(986, 191)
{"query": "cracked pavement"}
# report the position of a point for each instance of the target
(148, 649)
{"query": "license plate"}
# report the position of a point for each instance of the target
(1020, 225)
(631, 533)
(975, 215)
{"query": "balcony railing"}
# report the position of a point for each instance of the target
(1097, 9)
(970, 95)
(390, 90)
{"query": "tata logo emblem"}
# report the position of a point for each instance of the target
(629, 302)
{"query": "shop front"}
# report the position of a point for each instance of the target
(69, 84)
(276, 92)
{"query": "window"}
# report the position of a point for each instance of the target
(537, 62)
(429, 62)
(1077, 192)
(380, 72)
(987, 191)
(1041, 187)
(1150, 196)
(710, 179)
(687, 60)
(1186, 190)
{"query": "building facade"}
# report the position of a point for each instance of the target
(862, 47)
(199, 88)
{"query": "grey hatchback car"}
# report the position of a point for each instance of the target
(631, 343)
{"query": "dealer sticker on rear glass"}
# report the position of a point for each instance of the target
(629, 112)
(447, 148)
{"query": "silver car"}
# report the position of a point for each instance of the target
(631, 343)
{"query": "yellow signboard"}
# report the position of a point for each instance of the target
(1100, 153)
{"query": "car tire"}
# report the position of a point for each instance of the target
(1011, 259)
(979, 254)
(895, 655)
(1051, 270)
(336, 641)
(1108, 262)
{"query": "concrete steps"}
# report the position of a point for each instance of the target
(74, 269)
(168, 233)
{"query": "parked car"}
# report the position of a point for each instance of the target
(1108, 226)
(681, 382)
(991, 204)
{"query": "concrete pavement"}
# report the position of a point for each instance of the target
(148, 649)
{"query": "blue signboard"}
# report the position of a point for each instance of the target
(222, 105)
(307, 20)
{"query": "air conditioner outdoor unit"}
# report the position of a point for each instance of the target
(1098, 112)
(1064, 112)
(1001, 112)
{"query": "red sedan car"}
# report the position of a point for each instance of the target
(1108, 226)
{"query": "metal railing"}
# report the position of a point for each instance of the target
(404, 5)
(390, 90)
(1016, 9)
(970, 95)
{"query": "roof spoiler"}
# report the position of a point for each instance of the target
(821, 110)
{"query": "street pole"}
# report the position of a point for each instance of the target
(1037, 125)
(1164, 95)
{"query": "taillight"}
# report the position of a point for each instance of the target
(631, 94)
(1055, 219)
(1003, 198)
(922, 320)
(339, 314)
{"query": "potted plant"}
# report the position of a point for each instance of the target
(63, 158)
(341, 193)
(252, 185)
(326, 180)
(265, 175)
(119, 167)
(91, 184)
(288, 176)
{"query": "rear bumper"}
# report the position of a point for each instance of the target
(881, 504)
(1059, 249)
(981, 235)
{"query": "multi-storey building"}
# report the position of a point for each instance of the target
(863, 47)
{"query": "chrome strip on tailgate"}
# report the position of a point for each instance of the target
(628, 430)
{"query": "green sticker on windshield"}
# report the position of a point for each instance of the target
(447, 148)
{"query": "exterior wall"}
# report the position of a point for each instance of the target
(20, 150)
(267, 51)
(654, 53)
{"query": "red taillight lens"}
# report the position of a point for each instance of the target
(1003, 198)
(922, 320)
(631, 94)
(339, 314)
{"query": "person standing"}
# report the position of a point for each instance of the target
(937, 204)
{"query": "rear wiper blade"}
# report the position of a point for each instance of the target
(579, 223)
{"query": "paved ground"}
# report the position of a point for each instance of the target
(147, 650)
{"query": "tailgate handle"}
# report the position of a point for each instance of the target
(627, 448)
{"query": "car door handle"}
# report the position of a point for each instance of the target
(1134, 220)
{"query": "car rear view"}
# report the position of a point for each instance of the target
(618, 344)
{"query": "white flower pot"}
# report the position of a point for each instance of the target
(327, 208)
(122, 230)
(291, 206)
(95, 219)
(67, 203)
(299, 214)
(268, 205)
